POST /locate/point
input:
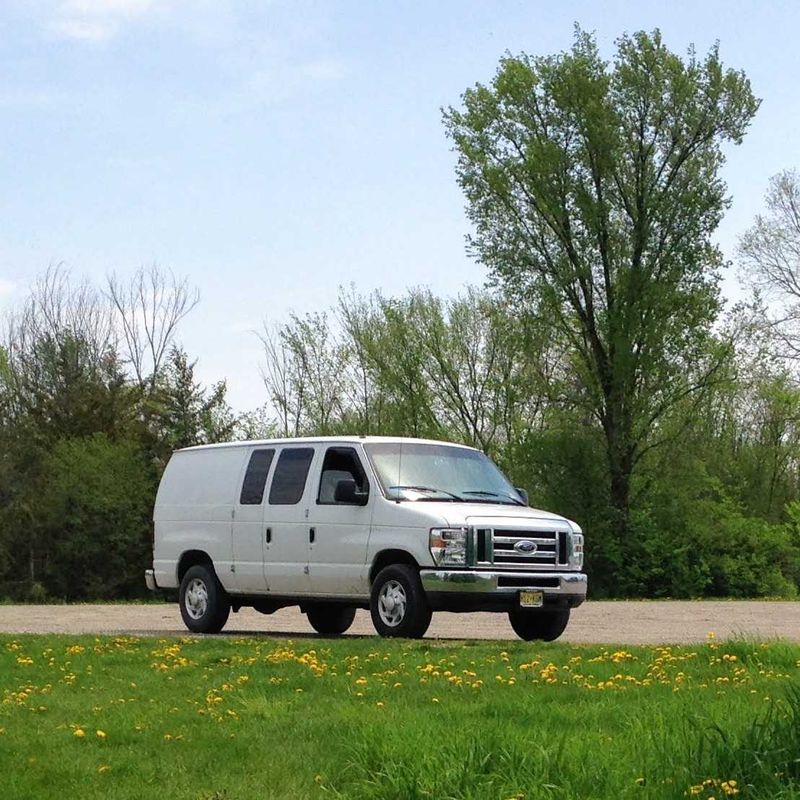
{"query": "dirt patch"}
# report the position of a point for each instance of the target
(628, 622)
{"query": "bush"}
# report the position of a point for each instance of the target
(94, 530)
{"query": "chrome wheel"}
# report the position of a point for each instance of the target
(196, 599)
(392, 603)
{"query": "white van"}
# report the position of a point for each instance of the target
(403, 527)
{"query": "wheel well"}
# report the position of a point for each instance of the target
(387, 557)
(192, 558)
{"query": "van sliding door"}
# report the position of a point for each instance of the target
(287, 525)
(248, 525)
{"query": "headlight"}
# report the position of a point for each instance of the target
(449, 546)
(576, 550)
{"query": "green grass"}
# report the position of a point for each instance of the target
(233, 719)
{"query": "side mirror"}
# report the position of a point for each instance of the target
(347, 492)
(523, 494)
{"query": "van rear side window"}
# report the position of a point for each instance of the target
(291, 472)
(255, 478)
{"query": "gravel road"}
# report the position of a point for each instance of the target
(647, 622)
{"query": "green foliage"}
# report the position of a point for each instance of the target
(182, 412)
(383, 720)
(766, 752)
(96, 500)
(594, 192)
(82, 444)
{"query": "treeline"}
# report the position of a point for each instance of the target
(94, 396)
(85, 433)
(715, 509)
(601, 369)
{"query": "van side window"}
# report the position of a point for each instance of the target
(340, 464)
(255, 479)
(291, 472)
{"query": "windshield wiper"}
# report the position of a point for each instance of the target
(429, 489)
(485, 493)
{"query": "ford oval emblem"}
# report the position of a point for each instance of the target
(525, 546)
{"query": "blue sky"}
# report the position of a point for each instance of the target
(274, 151)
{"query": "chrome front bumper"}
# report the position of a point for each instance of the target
(488, 582)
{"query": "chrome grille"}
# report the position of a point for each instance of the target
(500, 547)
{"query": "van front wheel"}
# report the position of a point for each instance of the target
(330, 620)
(205, 606)
(398, 604)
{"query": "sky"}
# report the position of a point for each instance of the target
(274, 151)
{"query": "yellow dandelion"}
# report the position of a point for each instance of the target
(79, 732)
(103, 768)
(101, 734)
(434, 699)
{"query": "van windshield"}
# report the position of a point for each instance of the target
(440, 472)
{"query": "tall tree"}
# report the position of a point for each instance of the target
(594, 190)
(187, 413)
(149, 308)
(770, 255)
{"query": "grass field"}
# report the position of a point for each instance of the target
(233, 719)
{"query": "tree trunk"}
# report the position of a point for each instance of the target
(620, 452)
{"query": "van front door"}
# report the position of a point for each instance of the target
(287, 526)
(338, 552)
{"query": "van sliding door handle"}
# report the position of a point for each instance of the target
(269, 535)
(311, 535)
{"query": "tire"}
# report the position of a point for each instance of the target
(398, 604)
(205, 606)
(544, 624)
(329, 619)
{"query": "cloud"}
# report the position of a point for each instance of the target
(96, 20)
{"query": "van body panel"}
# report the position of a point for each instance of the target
(404, 526)
(338, 554)
(193, 511)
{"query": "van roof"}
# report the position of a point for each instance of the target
(322, 440)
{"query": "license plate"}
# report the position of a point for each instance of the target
(531, 599)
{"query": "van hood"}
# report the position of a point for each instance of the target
(491, 514)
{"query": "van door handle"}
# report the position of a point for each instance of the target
(312, 532)
(269, 535)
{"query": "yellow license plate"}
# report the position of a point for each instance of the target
(531, 599)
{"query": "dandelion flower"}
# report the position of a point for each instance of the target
(79, 732)
(101, 734)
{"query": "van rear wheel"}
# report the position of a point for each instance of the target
(329, 619)
(205, 606)
(544, 624)
(398, 604)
